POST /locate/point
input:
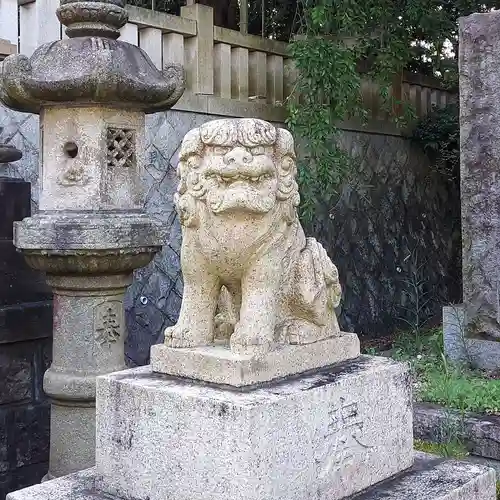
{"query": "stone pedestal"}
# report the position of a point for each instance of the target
(342, 432)
(333, 433)
(89, 331)
(219, 365)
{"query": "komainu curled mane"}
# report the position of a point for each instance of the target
(250, 273)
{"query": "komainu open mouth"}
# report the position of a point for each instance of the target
(249, 173)
(231, 178)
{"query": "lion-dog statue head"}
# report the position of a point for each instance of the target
(243, 165)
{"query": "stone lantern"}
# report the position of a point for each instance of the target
(9, 153)
(92, 92)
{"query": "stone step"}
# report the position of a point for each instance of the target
(430, 478)
(479, 433)
(486, 462)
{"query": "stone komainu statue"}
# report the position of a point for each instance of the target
(250, 273)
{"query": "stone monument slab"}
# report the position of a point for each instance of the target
(219, 365)
(479, 181)
(477, 339)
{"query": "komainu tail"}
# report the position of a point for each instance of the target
(317, 287)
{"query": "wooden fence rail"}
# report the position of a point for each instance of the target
(228, 72)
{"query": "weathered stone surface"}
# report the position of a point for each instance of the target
(483, 354)
(115, 74)
(92, 159)
(250, 274)
(480, 433)
(217, 364)
(480, 184)
(78, 486)
(281, 441)
(68, 231)
(90, 66)
(460, 348)
(430, 478)
(89, 332)
(72, 436)
(92, 18)
(486, 462)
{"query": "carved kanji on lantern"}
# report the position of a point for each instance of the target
(107, 322)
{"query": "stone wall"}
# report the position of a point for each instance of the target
(396, 227)
(395, 236)
(25, 352)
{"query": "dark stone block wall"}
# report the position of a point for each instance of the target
(395, 237)
(25, 352)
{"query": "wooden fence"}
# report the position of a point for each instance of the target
(228, 72)
(425, 92)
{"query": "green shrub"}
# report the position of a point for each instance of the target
(452, 449)
(436, 381)
(438, 134)
(461, 390)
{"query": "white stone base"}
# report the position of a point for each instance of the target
(217, 364)
(430, 478)
(323, 436)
